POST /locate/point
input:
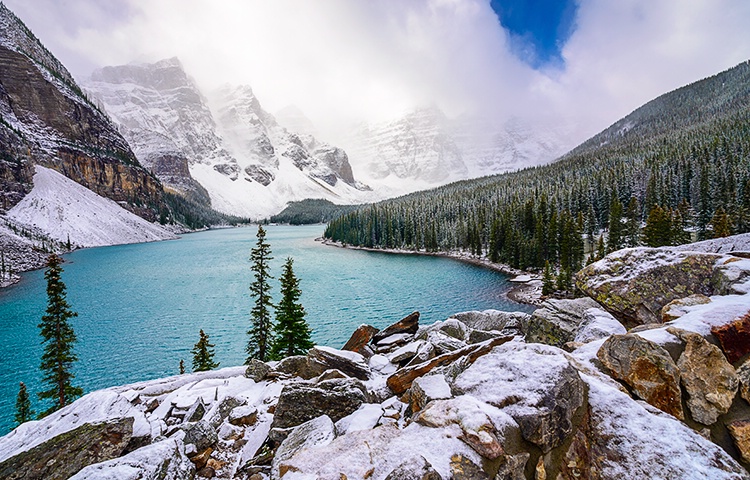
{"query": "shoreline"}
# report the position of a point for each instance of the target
(524, 292)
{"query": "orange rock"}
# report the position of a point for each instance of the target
(734, 338)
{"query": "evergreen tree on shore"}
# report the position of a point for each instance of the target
(24, 413)
(292, 332)
(59, 337)
(260, 329)
(203, 355)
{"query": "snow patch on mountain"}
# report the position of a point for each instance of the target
(65, 210)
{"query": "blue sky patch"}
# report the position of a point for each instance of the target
(538, 28)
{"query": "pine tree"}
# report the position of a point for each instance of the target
(722, 226)
(292, 332)
(614, 241)
(548, 280)
(633, 224)
(59, 337)
(658, 230)
(24, 413)
(203, 355)
(260, 330)
(600, 252)
(182, 366)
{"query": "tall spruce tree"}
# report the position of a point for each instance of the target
(203, 354)
(58, 337)
(260, 330)
(614, 241)
(633, 224)
(658, 230)
(292, 332)
(24, 413)
(721, 224)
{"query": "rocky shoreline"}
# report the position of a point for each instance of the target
(528, 292)
(648, 376)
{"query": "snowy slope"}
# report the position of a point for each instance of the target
(66, 210)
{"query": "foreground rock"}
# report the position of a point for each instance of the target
(359, 340)
(710, 381)
(407, 325)
(556, 322)
(734, 338)
(300, 402)
(646, 368)
(546, 417)
(635, 284)
(400, 381)
(64, 455)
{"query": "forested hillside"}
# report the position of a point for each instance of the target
(680, 165)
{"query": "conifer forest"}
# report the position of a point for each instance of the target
(675, 170)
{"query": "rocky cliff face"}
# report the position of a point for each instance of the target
(47, 120)
(469, 397)
(222, 146)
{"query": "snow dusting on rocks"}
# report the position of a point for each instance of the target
(467, 397)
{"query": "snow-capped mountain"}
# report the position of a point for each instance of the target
(248, 164)
(426, 147)
(417, 146)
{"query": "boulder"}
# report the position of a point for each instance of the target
(407, 352)
(66, 454)
(513, 467)
(401, 381)
(454, 328)
(425, 352)
(221, 411)
(366, 417)
(350, 363)
(489, 320)
(244, 416)
(543, 400)
(646, 368)
(201, 434)
(677, 308)
(743, 375)
(444, 343)
(196, 411)
(415, 468)
(709, 380)
(315, 432)
(479, 336)
(165, 460)
(596, 325)
(477, 429)
(634, 284)
(734, 338)
(257, 370)
(299, 366)
(557, 321)
(361, 337)
(300, 402)
(462, 468)
(426, 389)
(408, 324)
(740, 432)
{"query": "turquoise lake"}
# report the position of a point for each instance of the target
(140, 307)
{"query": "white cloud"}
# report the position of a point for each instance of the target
(342, 60)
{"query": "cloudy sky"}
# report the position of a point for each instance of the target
(586, 61)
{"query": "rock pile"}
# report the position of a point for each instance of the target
(566, 393)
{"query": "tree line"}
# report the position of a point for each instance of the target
(288, 335)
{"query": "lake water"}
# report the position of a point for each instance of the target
(140, 307)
